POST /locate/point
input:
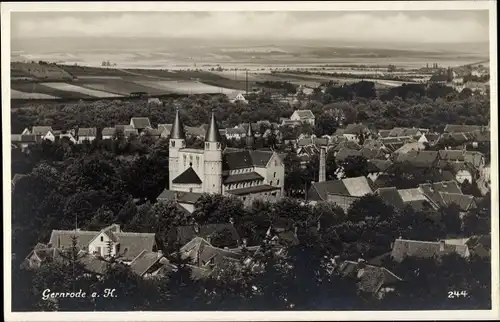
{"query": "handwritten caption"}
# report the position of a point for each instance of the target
(47, 294)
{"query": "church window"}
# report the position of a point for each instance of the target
(173, 143)
(274, 176)
(278, 182)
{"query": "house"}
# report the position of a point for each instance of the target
(110, 241)
(430, 138)
(23, 141)
(68, 135)
(415, 198)
(164, 130)
(155, 101)
(235, 133)
(186, 200)
(236, 96)
(403, 248)
(181, 235)
(201, 253)
(391, 196)
(377, 167)
(86, 134)
(304, 116)
(418, 159)
(151, 264)
(373, 280)
(342, 192)
(140, 123)
(40, 131)
(127, 130)
(354, 132)
(108, 133)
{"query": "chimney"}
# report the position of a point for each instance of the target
(322, 165)
(361, 263)
(160, 253)
(442, 243)
(196, 228)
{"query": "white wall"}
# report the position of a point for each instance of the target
(101, 241)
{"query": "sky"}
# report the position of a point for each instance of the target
(385, 26)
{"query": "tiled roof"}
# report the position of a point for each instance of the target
(165, 128)
(132, 244)
(253, 189)
(464, 202)
(87, 131)
(452, 155)
(40, 130)
(108, 131)
(305, 114)
(432, 191)
(344, 153)
(201, 253)
(180, 196)
(144, 261)
(380, 165)
(384, 133)
(140, 122)
(151, 131)
(242, 177)
(185, 234)
(358, 186)
(63, 238)
(411, 194)
(424, 249)
(245, 159)
(410, 146)
(234, 131)
(391, 197)
(355, 129)
(305, 142)
(94, 264)
(123, 127)
(327, 187)
(195, 131)
(189, 176)
(419, 158)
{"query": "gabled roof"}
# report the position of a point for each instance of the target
(452, 155)
(344, 153)
(391, 197)
(234, 131)
(185, 234)
(124, 127)
(357, 187)
(384, 133)
(424, 249)
(40, 130)
(432, 191)
(87, 131)
(464, 202)
(409, 147)
(355, 129)
(413, 194)
(189, 176)
(108, 131)
(140, 122)
(165, 128)
(194, 131)
(144, 261)
(151, 131)
(245, 159)
(419, 158)
(132, 244)
(380, 165)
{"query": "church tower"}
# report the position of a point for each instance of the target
(249, 137)
(177, 142)
(212, 181)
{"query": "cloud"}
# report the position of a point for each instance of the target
(454, 27)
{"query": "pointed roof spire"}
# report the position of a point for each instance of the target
(213, 134)
(249, 131)
(177, 131)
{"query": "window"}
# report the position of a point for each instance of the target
(278, 182)
(271, 182)
(218, 145)
(275, 163)
(102, 238)
(207, 145)
(190, 189)
(274, 175)
(172, 143)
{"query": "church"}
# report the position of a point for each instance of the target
(248, 174)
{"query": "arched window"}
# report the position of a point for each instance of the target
(172, 143)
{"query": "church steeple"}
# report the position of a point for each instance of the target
(177, 128)
(249, 137)
(213, 134)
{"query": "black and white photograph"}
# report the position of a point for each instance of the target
(238, 157)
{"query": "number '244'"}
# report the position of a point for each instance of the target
(457, 294)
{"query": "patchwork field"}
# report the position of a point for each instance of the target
(185, 87)
(22, 95)
(79, 89)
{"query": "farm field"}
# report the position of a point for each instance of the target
(22, 95)
(185, 87)
(42, 89)
(79, 89)
(45, 72)
(122, 87)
